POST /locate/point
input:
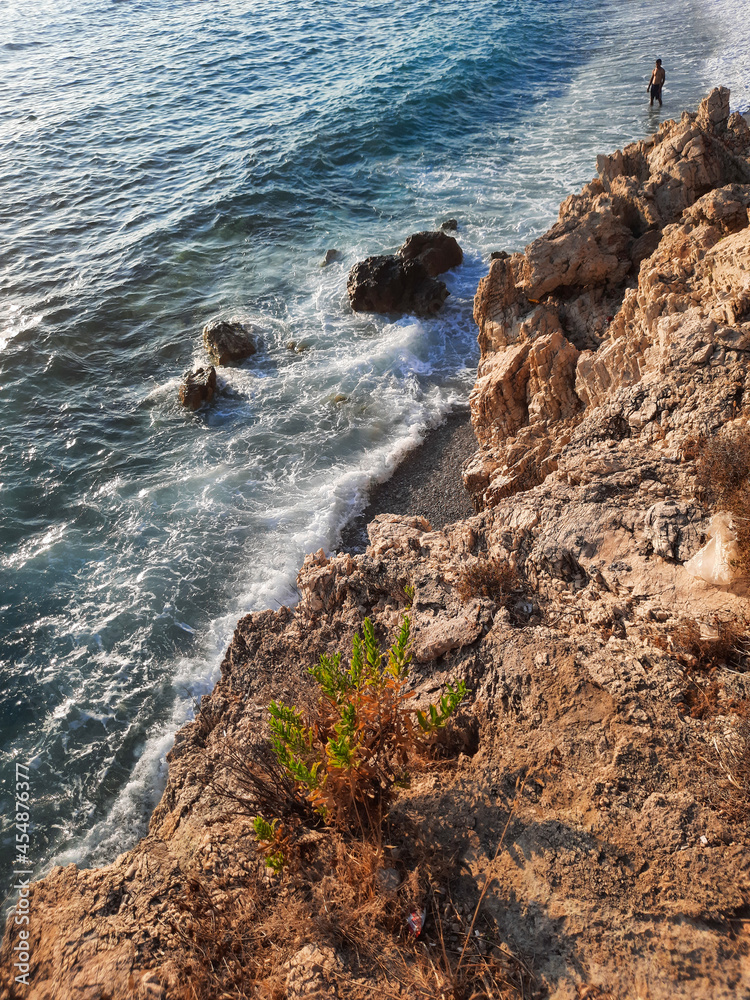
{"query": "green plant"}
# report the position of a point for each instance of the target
(347, 754)
(270, 838)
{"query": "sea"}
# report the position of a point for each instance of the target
(169, 162)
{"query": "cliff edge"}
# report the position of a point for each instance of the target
(590, 811)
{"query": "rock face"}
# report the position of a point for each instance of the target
(405, 282)
(198, 387)
(587, 307)
(564, 603)
(229, 340)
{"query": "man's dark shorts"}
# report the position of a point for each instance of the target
(656, 91)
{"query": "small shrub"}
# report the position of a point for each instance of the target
(491, 578)
(271, 839)
(722, 482)
(732, 761)
(705, 647)
(500, 582)
(347, 754)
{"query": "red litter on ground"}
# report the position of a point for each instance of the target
(415, 921)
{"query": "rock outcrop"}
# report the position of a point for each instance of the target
(592, 305)
(229, 340)
(597, 801)
(405, 282)
(198, 387)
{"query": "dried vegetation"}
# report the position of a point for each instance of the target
(372, 894)
(722, 482)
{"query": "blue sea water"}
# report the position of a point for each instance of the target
(168, 162)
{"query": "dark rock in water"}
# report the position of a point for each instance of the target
(437, 251)
(388, 283)
(228, 340)
(330, 256)
(451, 224)
(499, 255)
(198, 387)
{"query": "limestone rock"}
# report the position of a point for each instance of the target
(312, 973)
(229, 340)
(592, 250)
(633, 258)
(714, 110)
(198, 387)
(674, 529)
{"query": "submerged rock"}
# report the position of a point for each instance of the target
(198, 387)
(229, 340)
(330, 256)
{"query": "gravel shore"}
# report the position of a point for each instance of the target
(427, 482)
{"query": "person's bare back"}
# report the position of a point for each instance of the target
(658, 76)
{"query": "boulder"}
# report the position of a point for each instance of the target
(228, 340)
(387, 283)
(437, 251)
(198, 387)
(330, 257)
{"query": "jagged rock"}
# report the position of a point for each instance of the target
(437, 251)
(388, 284)
(198, 387)
(592, 250)
(673, 529)
(449, 224)
(714, 110)
(229, 340)
(655, 213)
(527, 382)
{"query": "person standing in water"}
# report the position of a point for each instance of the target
(658, 76)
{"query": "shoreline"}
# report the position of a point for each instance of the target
(427, 482)
(604, 714)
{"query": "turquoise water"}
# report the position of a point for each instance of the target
(166, 163)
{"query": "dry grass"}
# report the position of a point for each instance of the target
(502, 583)
(351, 899)
(732, 761)
(704, 646)
(238, 944)
(722, 482)
(493, 578)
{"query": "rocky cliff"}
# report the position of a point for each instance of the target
(595, 795)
